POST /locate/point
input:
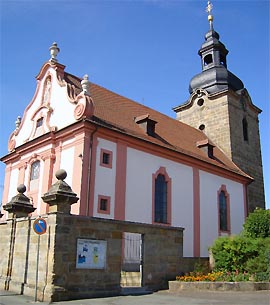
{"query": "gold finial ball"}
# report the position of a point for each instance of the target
(210, 18)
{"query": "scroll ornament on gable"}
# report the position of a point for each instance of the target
(85, 105)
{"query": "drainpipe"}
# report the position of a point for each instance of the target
(11, 251)
(89, 171)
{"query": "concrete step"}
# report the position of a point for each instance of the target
(135, 291)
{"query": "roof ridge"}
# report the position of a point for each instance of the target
(126, 98)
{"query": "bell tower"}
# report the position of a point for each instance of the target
(220, 106)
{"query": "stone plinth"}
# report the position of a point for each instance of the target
(178, 286)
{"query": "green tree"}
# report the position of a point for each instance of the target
(257, 224)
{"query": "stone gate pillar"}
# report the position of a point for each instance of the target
(60, 197)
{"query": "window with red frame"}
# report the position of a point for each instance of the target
(223, 212)
(104, 204)
(161, 199)
(34, 175)
(106, 158)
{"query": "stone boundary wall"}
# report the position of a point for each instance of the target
(18, 265)
(178, 286)
(58, 278)
(162, 248)
(188, 264)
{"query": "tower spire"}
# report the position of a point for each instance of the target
(215, 76)
(209, 9)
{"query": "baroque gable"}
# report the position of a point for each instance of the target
(57, 103)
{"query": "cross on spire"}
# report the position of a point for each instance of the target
(209, 9)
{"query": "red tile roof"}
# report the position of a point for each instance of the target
(119, 112)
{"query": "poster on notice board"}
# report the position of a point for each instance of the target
(91, 254)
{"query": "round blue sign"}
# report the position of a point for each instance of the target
(40, 226)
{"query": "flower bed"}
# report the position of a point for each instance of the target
(223, 281)
(219, 276)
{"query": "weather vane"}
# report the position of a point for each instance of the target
(209, 9)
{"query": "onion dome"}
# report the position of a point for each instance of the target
(215, 76)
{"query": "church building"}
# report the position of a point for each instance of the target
(201, 171)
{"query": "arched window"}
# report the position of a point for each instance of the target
(224, 210)
(34, 175)
(208, 59)
(223, 61)
(35, 169)
(39, 127)
(161, 202)
(39, 122)
(223, 224)
(245, 129)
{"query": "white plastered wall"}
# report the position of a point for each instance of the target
(13, 183)
(139, 192)
(67, 157)
(105, 178)
(41, 175)
(62, 115)
(209, 186)
(63, 109)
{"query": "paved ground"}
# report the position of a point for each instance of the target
(157, 298)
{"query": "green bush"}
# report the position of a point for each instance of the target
(257, 224)
(260, 265)
(242, 254)
(232, 252)
(247, 254)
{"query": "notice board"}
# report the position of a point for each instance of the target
(91, 254)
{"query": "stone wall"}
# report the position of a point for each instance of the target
(188, 264)
(58, 278)
(222, 115)
(162, 250)
(247, 154)
(22, 260)
(214, 115)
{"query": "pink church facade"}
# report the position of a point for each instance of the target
(124, 161)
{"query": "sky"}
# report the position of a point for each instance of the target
(146, 50)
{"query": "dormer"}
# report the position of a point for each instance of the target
(147, 124)
(206, 146)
